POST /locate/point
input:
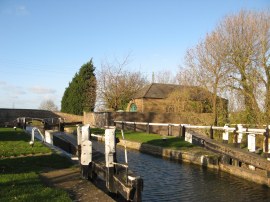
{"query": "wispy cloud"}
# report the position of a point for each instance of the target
(11, 89)
(42, 90)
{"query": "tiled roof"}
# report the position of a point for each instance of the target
(159, 90)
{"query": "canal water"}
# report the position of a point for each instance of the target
(166, 180)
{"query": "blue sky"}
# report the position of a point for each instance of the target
(44, 43)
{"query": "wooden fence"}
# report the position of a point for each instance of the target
(236, 133)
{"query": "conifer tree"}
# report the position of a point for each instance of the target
(80, 95)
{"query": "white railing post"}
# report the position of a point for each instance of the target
(85, 132)
(33, 136)
(79, 134)
(225, 135)
(110, 156)
(85, 149)
(109, 146)
(49, 137)
(32, 141)
(251, 142)
(240, 133)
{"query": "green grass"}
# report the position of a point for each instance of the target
(154, 139)
(97, 131)
(27, 187)
(16, 143)
(19, 177)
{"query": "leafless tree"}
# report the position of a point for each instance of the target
(262, 45)
(48, 105)
(247, 44)
(234, 58)
(207, 68)
(164, 76)
(117, 85)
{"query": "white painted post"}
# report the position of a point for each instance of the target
(225, 135)
(85, 132)
(24, 123)
(49, 136)
(86, 156)
(251, 142)
(240, 134)
(188, 137)
(32, 137)
(251, 147)
(123, 136)
(79, 134)
(109, 146)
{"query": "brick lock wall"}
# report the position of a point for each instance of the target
(102, 119)
(9, 115)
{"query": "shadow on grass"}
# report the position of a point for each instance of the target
(33, 164)
(9, 134)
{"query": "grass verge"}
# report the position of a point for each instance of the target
(19, 175)
(155, 139)
(16, 143)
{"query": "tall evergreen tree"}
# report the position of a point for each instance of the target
(80, 95)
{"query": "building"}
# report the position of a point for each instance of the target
(170, 98)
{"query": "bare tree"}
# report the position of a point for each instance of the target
(207, 67)
(187, 76)
(164, 76)
(234, 60)
(263, 55)
(247, 44)
(116, 85)
(48, 105)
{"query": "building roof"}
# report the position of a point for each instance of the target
(161, 91)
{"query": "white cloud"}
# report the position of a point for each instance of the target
(42, 90)
(28, 98)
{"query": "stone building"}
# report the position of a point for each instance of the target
(171, 98)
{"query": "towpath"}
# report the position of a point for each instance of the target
(77, 188)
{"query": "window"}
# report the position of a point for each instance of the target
(133, 108)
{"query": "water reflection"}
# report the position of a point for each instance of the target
(166, 180)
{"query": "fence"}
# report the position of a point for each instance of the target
(147, 126)
(236, 133)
